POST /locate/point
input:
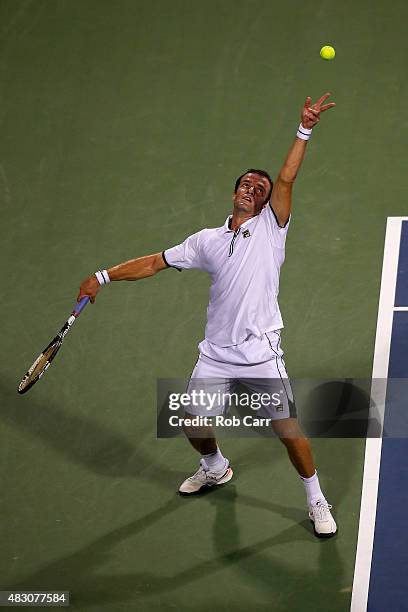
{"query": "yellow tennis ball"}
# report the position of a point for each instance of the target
(327, 52)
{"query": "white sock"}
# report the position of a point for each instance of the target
(313, 490)
(215, 461)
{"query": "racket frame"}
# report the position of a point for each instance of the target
(57, 341)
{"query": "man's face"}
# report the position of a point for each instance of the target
(251, 193)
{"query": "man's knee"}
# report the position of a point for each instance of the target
(287, 429)
(192, 430)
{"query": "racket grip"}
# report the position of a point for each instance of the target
(80, 306)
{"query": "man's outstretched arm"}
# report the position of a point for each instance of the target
(131, 270)
(281, 199)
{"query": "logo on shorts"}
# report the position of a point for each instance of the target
(246, 233)
(279, 408)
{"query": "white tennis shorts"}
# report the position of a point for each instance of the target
(256, 364)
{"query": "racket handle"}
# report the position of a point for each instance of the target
(80, 306)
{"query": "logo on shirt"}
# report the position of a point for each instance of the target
(246, 233)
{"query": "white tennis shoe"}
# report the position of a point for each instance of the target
(205, 478)
(322, 519)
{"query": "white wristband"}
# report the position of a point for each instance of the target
(103, 277)
(303, 133)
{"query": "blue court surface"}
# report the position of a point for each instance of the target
(380, 583)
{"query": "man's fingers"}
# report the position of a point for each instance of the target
(322, 99)
(311, 112)
(312, 115)
(82, 295)
(327, 106)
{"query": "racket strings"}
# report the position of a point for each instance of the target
(45, 358)
(40, 365)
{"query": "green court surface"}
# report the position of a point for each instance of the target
(123, 127)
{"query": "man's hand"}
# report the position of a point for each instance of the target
(90, 286)
(311, 113)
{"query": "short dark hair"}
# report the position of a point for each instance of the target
(255, 171)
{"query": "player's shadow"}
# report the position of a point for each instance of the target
(327, 571)
(81, 440)
(279, 576)
(272, 574)
(257, 562)
(81, 574)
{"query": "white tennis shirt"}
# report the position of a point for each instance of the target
(244, 267)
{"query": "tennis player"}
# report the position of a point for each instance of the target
(242, 337)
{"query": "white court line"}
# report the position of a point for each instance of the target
(372, 458)
(399, 308)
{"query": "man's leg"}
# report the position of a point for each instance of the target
(300, 454)
(297, 445)
(214, 467)
(211, 378)
(200, 438)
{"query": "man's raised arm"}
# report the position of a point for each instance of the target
(134, 269)
(281, 199)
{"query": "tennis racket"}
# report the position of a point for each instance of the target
(44, 360)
